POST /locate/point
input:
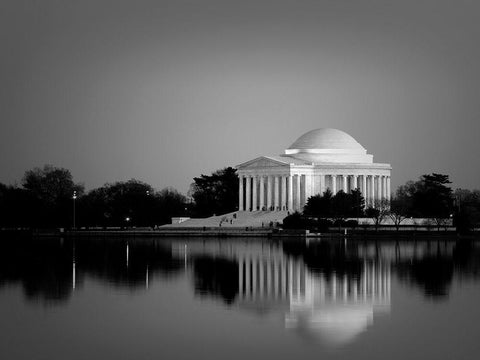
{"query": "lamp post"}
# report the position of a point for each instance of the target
(147, 215)
(74, 197)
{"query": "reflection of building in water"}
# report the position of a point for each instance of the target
(336, 307)
(287, 278)
(260, 278)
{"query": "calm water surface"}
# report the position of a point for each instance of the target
(238, 299)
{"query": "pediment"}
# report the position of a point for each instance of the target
(261, 162)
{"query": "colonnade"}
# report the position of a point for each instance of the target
(264, 278)
(291, 192)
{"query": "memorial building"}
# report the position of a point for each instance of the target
(318, 160)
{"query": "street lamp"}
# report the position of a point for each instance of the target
(74, 197)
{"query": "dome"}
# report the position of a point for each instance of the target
(335, 326)
(328, 146)
(326, 138)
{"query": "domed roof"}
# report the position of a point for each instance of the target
(336, 325)
(326, 138)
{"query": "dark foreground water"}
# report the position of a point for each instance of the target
(238, 299)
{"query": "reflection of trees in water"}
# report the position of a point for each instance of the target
(433, 274)
(216, 277)
(434, 271)
(124, 263)
(327, 258)
(467, 259)
(45, 267)
(42, 267)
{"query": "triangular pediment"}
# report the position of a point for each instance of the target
(262, 162)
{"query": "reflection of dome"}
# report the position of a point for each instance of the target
(328, 146)
(335, 326)
(325, 138)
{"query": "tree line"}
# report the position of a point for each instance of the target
(429, 197)
(45, 199)
(49, 197)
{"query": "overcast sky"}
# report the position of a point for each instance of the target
(163, 91)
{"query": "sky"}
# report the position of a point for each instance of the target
(163, 91)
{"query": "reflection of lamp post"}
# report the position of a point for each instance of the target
(74, 197)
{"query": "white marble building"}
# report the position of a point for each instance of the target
(317, 160)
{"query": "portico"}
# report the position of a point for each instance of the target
(319, 160)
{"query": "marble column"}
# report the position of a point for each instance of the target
(344, 178)
(240, 193)
(298, 194)
(368, 190)
(306, 189)
(254, 193)
(388, 188)
(322, 184)
(276, 192)
(248, 189)
(309, 184)
(315, 185)
(269, 192)
(364, 188)
(334, 184)
(355, 182)
(384, 187)
(379, 187)
(368, 196)
(290, 193)
(373, 191)
(284, 193)
(262, 192)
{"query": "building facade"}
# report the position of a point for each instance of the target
(320, 159)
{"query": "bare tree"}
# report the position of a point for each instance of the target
(399, 207)
(442, 222)
(378, 212)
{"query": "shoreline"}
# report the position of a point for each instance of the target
(247, 233)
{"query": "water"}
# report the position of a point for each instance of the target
(238, 299)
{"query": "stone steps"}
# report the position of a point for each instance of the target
(242, 219)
